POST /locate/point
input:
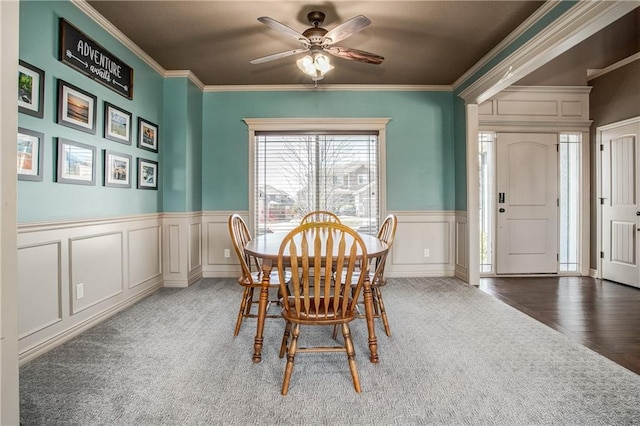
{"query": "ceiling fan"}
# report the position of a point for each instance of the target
(317, 40)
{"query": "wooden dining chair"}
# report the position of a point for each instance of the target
(320, 216)
(386, 233)
(251, 277)
(313, 253)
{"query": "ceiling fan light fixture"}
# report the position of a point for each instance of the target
(315, 66)
(306, 65)
(323, 64)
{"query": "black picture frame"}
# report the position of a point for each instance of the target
(117, 124)
(30, 90)
(147, 135)
(76, 108)
(147, 174)
(76, 163)
(117, 169)
(30, 154)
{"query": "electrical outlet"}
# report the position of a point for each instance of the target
(426, 252)
(227, 253)
(79, 291)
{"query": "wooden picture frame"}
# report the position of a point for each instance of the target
(117, 169)
(30, 154)
(147, 174)
(76, 108)
(76, 163)
(147, 135)
(117, 124)
(30, 90)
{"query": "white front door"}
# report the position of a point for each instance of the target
(527, 203)
(620, 205)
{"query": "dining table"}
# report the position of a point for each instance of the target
(267, 246)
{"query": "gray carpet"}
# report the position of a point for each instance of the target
(457, 356)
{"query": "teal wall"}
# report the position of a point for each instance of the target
(48, 200)
(182, 146)
(204, 142)
(460, 137)
(419, 141)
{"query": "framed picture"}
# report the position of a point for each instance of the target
(30, 90)
(30, 154)
(147, 174)
(117, 169)
(76, 163)
(76, 108)
(147, 135)
(117, 124)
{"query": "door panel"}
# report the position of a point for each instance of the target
(527, 218)
(620, 207)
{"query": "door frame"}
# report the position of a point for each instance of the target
(584, 219)
(599, 131)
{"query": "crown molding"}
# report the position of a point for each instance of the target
(328, 88)
(592, 74)
(579, 22)
(521, 29)
(117, 34)
(185, 74)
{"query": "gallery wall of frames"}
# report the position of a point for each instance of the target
(77, 162)
(90, 222)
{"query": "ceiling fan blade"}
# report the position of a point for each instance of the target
(275, 56)
(355, 55)
(346, 29)
(279, 26)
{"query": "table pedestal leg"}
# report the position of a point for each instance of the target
(368, 309)
(262, 310)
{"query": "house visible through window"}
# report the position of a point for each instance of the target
(296, 173)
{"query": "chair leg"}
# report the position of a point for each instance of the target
(285, 339)
(290, 357)
(249, 301)
(383, 312)
(243, 306)
(351, 356)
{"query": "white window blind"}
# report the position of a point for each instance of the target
(299, 172)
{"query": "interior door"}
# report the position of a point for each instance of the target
(527, 203)
(620, 206)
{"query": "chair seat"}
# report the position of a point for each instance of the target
(325, 312)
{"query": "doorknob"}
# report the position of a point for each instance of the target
(637, 213)
(501, 210)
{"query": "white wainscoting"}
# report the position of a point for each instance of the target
(72, 275)
(182, 248)
(417, 231)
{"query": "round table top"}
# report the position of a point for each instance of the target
(267, 246)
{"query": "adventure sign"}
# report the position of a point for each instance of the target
(85, 55)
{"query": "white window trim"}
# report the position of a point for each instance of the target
(318, 124)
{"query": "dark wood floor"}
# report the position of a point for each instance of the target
(602, 315)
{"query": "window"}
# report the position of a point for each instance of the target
(487, 167)
(298, 172)
(570, 188)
